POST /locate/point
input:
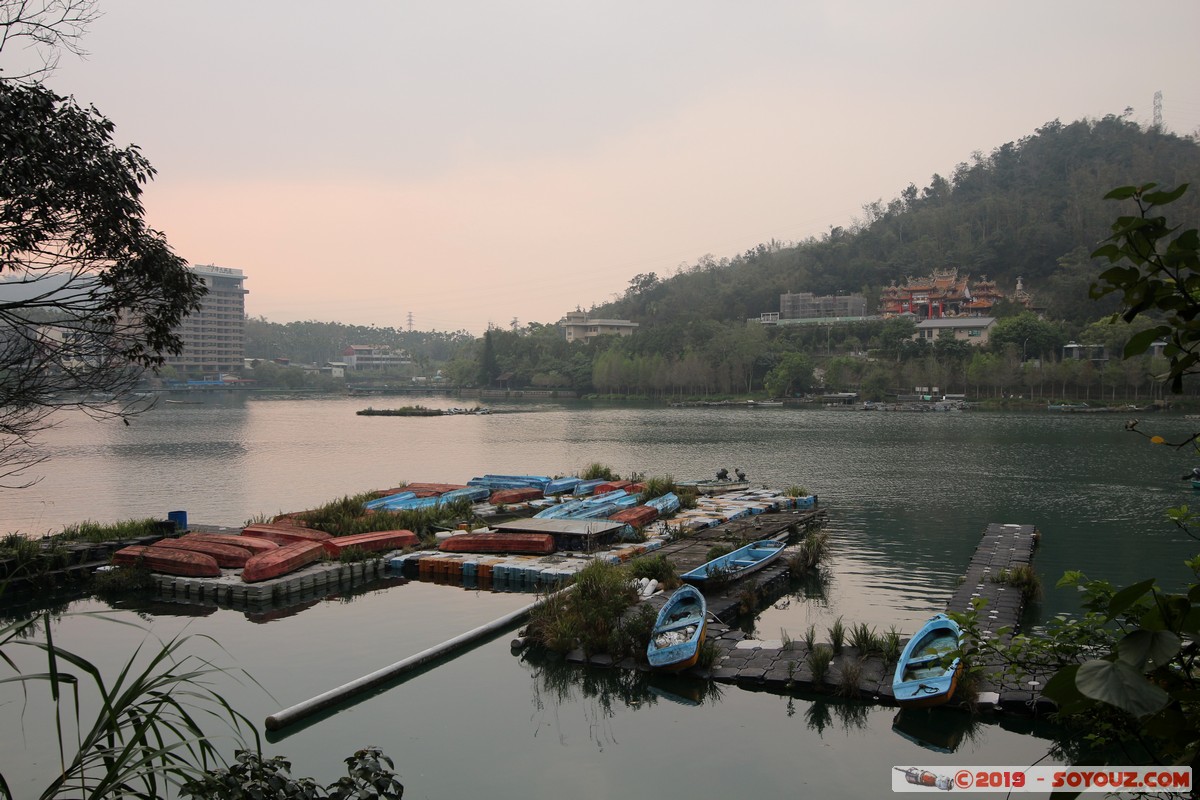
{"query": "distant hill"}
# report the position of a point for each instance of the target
(1032, 209)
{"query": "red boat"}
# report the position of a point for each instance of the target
(186, 563)
(288, 558)
(371, 542)
(502, 496)
(612, 486)
(284, 534)
(494, 542)
(638, 516)
(251, 543)
(224, 554)
(429, 489)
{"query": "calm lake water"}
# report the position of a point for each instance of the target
(908, 496)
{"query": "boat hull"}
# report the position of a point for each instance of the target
(288, 558)
(679, 631)
(922, 678)
(284, 534)
(493, 542)
(185, 563)
(736, 565)
(371, 542)
(226, 555)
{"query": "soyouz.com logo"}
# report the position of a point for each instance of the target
(1042, 779)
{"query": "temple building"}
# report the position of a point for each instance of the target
(946, 294)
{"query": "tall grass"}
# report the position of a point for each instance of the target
(657, 487)
(347, 516)
(89, 531)
(587, 615)
(837, 635)
(598, 472)
(147, 735)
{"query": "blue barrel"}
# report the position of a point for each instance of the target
(179, 518)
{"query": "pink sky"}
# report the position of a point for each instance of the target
(475, 162)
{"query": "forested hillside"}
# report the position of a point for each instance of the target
(1032, 209)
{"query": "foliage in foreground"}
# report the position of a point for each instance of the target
(253, 777)
(1126, 672)
(148, 738)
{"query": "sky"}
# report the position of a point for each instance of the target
(470, 163)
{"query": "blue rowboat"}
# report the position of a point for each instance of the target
(922, 677)
(678, 631)
(390, 500)
(736, 565)
(666, 504)
(561, 485)
(584, 488)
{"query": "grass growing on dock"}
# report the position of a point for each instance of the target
(656, 567)
(126, 529)
(657, 487)
(819, 659)
(589, 615)
(795, 491)
(863, 639)
(809, 554)
(1024, 579)
(837, 635)
(346, 516)
(120, 581)
(851, 676)
(598, 472)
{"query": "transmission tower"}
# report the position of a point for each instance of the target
(1158, 110)
(410, 322)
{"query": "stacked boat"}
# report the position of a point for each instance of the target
(261, 551)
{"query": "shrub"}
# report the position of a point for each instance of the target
(656, 567)
(598, 472)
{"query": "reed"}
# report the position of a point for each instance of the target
(810, 638)
(890, 646)
(863, 639)
(819, 659)
(837, 635)
(851, 676)
(657, 487)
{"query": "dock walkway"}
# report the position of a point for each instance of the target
(784, 666)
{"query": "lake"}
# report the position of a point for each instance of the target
(908, 496)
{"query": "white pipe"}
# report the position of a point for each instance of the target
(288, 716)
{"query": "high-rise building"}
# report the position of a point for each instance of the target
(214, 338)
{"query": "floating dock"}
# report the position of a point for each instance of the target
(784, 666)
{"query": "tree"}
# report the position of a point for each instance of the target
(793, 374)
(89, 295)
(1163, 277)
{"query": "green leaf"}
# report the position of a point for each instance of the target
(1127, 597)
(1140, 342)
(1123, 193)
(1142, 648)
(1120, 685)
(1162, 198)
(1062, 690)
(1171, 612)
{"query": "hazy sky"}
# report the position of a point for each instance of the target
(471, 162)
